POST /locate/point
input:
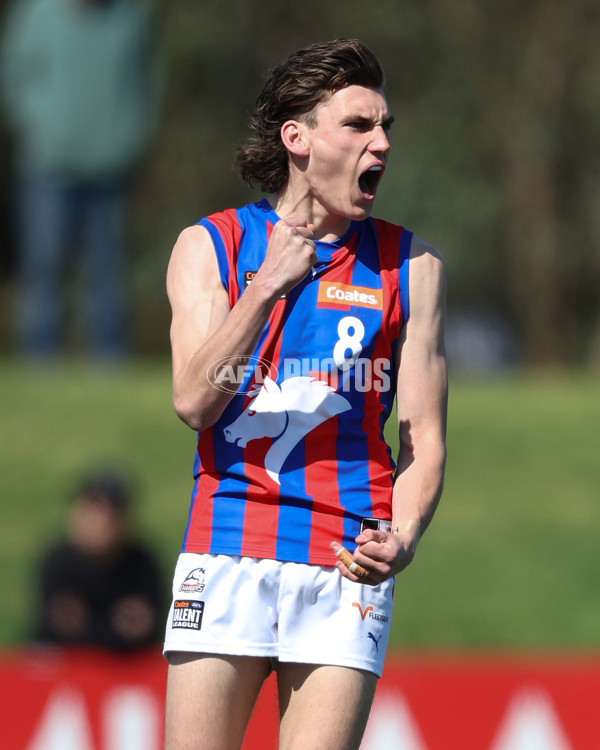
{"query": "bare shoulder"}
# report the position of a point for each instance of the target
(426, 255)
(192, 262)
(193, 245)
(422, 379)
(199, 301)
(427, 276)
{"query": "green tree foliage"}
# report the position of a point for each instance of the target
(495, 157)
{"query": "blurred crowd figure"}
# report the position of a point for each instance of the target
(79, 88)
(99, 586)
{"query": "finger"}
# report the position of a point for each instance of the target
(298, 224)
(345, 573)
(371, 535)
(304, 232)
(294, 221)
(370, 580)
(346, 558)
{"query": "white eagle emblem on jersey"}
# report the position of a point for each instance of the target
(286, 413)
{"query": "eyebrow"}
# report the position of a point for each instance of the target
(385, 123)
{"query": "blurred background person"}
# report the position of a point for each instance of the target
(100, 586)
(80, 97)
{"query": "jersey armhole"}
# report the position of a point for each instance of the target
(220, 253)
(403, 276)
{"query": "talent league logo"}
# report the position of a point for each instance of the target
(187, 614)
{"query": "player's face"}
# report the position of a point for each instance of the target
(349, 147)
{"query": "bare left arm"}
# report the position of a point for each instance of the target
(421, 397)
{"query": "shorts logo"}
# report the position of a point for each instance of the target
(375, 640)
(362, 614)
(187, 614)
(370, 611)
(194, 581)
(344, 295)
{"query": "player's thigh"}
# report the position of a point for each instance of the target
(210, 699)
(323, 706)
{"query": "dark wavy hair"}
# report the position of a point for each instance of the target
(294, 89)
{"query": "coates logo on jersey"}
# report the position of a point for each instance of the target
(336, 294)
(194, 581)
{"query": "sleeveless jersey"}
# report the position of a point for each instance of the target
(298, 456)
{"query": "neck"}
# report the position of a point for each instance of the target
(288, 203)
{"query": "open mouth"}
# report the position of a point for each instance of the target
(369, 180)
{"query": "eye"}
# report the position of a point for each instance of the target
(360, 125)
(387, 124)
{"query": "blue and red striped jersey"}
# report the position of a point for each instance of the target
(298, 456)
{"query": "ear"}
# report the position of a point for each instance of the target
(293, 135)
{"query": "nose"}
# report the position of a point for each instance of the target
(381, 140)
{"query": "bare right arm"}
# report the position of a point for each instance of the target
(205, 329)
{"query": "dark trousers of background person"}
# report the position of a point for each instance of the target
(65, 225)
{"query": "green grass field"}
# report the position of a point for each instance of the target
(510, 560)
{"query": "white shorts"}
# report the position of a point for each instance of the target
(288, 611)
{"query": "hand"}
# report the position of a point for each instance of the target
(383, 554)
(291, 253)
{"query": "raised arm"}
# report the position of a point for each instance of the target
(204, 329)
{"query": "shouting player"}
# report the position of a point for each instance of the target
(296, 322)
